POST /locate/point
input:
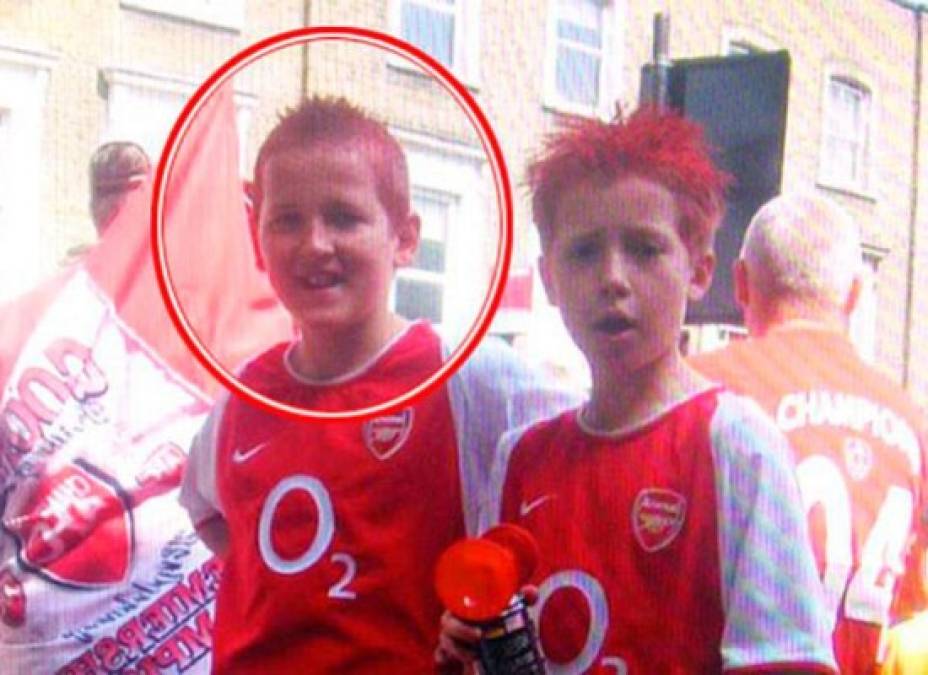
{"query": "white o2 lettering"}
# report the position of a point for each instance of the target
(870, 592)
(339, 589)
(619, 664)
(324, 531)
(595, 596)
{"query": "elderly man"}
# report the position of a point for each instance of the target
(859, 440)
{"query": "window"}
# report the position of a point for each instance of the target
(448, 280)
(420, 288)
(864, 317)
(445, 29)
(222, 13)
(579, 77)
(846, 135)
(143, 107)
(23, 224)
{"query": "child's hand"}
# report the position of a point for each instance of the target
(458, 639)
(457, 644)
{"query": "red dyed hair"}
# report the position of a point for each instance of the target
(660, 146)
(335, 120)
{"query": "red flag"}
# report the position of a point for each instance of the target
(210, 256)
(100, 398)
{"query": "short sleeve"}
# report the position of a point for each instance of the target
(773, 601)
(493, 392)
(198, 494)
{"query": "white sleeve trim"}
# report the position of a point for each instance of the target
(771, 596)
(198, 493)
(495, 391)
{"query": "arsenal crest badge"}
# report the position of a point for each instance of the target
(657, 517)
(384, 436)
(73, 527)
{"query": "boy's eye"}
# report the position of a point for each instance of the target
(583, 251)
(284, 222)
(644, 249)
(343, 218)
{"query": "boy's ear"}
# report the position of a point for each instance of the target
(703, 266)
(547, 280)
(407, 235)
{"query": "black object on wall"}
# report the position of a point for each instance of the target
(741, 101)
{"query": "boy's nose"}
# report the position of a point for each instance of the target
(613, 278)
(317, 238)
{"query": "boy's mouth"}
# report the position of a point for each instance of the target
(613, 324)
(318, 281)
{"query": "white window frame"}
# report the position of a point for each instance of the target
(120, 85)
(450, 201)
(24, 76)
(465, 52)
(864, 318)
(757, 41)
(711, 336)
(863, 184)
(611, 63)
(228, 14)
(455, 172)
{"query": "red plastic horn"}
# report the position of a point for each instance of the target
(476, 578)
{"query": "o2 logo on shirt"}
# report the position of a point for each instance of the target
(576, 593)
(317, 547)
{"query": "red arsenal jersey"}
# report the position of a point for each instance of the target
(675, 547)
(861, 469)
(336, 527)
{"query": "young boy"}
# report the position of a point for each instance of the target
(669, 524)
(327, 530)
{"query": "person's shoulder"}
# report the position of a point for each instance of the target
(735, 361)
(739, 424)
(536, 437)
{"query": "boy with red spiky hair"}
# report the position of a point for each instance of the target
(327, 529)
(671, 532)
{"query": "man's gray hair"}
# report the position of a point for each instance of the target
(803, 246)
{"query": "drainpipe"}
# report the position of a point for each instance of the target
(913, 197)
(304, 52)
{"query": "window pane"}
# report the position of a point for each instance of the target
(419, 299)
(577, 76)
(581, 12)
(434, 212)
(429, 29)
(567, 30)
(430, 256)
(846, 122)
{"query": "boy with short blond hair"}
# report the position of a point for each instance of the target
(668, 519)
(327, 530)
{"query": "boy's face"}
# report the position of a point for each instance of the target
(620, 273)
(326, 239)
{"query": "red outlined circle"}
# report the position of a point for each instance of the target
(501, 180)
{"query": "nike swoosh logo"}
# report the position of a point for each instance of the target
(239, 457)
(527, 507)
